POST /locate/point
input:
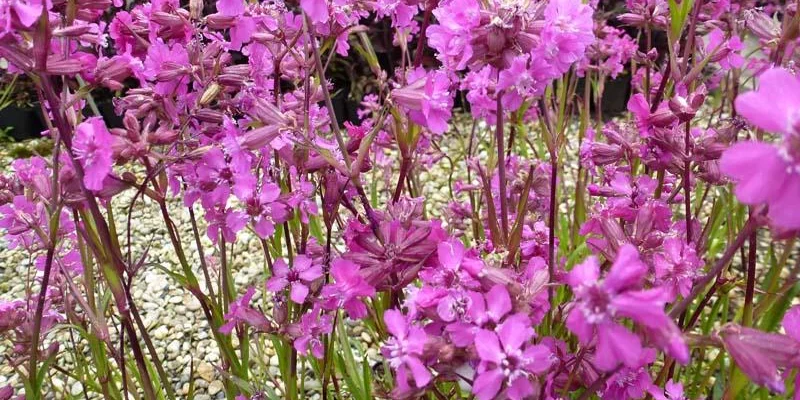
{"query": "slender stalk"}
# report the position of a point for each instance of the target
(327, 96)
(687, 183)
(37, 320)
(749, 227)
(501, 166)
(747, 312)
(551, 238)
(104, 234)
(423, 31)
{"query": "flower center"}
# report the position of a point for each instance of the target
(596, 304)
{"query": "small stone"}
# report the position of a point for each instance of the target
(76, 389)
(193, 304)
(161, 332)
(366, 337)
(173, 347)
(205, 371)
(214, 387)
(58, 383)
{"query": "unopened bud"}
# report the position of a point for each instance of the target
(211, 93)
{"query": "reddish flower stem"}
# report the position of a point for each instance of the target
(699, 286)
(501, 166)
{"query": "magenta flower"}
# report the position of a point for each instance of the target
(309, 331)
(508, 358)
(775, 106)
(672, 391)
(455, 269)
(299, 276)
(677, 266)
(240, 312)
(12, 314)
(224, 222)
(264, 209)
(92, 146)
(761, 355)
(26, 13)
(631, 382)
(451, 36)
(317, 10)
(243, 26)
(765, 173)
(567, 33)
(218, 175)
(599, 303)
(400, 250)
(725, 52)
(347, 289)
(404, 349)
(427, 99)
(6, 392)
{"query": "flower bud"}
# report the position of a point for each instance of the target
(163, 136)
(209, 115)
(633, 19)
(762, 25)
(662, 118)
(681, 108)
(210, 94)
(759, 354)
(232, 80)
(259, 137)
(219, 21)
(64, 67)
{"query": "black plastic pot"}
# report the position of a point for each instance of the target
(110, 116)
(25, 123)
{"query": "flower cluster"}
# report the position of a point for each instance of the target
(455, 217)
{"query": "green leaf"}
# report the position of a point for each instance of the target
(678, 13)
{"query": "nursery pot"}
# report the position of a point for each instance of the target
(25, 123)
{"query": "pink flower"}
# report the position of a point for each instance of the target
(567, 33)
(317, 10)
(347, 290)
(243, 26)
(427, 99)
(401, 13)
(760, 354)
(404, 349)
(451, 36)
(217, 175)
(300, 275)
(264, 209)
(92, 146)
(12, 314)
(26, 13)
(766, 173)
(769, 174)
(672, 391)
(226, 222)
(599, 303)
(677, 266)
(309, 331)
(631, 382)
(725, 52)
(240, 312)
(775, 106)
(508, 358)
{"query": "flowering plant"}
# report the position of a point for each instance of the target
(480, 228)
